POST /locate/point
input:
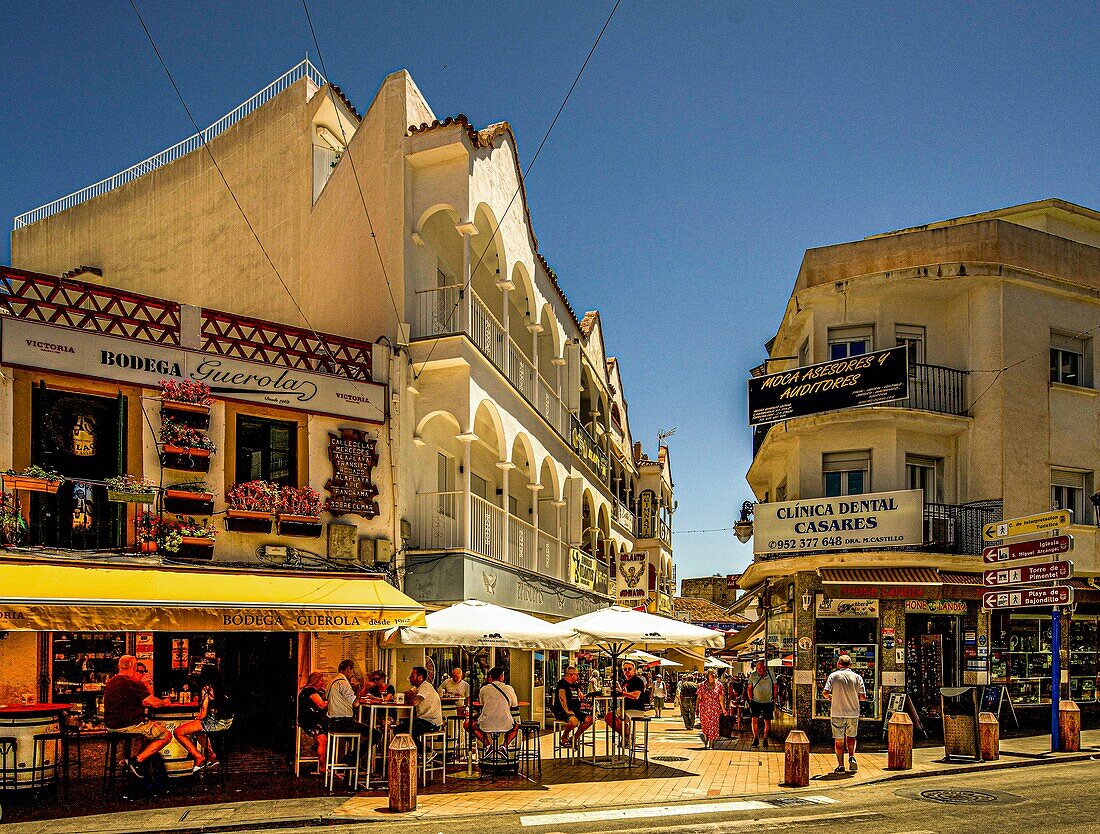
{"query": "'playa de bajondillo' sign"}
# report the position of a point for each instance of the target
(870, 379)
(847, 522)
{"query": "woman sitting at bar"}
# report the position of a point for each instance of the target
(378, 688)
(215, 715)
(312, 717)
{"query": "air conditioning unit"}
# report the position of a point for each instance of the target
(939, 531)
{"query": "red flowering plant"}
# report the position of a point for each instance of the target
(255, 496)
(186, 391)
(148, 527)
(299, 501)
(173, 433)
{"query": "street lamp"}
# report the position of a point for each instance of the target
(743, 528)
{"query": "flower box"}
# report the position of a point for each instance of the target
(120, 497)
(13, 482)
(306, 526)
(147, 547)
(196, 415)
(186, 458)
(248, 521)
(186, 502)
(196, 547)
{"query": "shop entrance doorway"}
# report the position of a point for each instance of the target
(81, 437)
(931, 659)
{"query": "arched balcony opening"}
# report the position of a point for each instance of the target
(439, 280)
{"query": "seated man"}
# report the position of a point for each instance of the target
(428, 717)
(454, 686)
(125, 698)
(497, 701)
(568, 707)
(341, 699)
(633, 702)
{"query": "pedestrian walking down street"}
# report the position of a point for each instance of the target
(659, 694)
(711, 703)
(844, 689)
(686, 690)
(762, 689)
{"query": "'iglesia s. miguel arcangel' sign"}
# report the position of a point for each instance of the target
(872, 521)
(870, 379)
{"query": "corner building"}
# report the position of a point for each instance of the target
(506, 447)
(999, 312)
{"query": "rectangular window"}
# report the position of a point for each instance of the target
(925, 474)
(781, 492)
(846, 473)
(445, 484)
(1068, 491)
(804, 353)
(1069, 360)
(849, 341)
(267, 450)
(913, 338)
(479, 486)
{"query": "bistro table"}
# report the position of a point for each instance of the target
(24, 722)
(381, 708)
(177, 761)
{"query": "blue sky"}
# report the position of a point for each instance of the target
(706, 148)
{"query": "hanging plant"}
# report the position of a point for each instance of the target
(299, 512)
(33, 479)
(13, 527)
(252, 506)
(189, 498)
(188, 391)
(181, 436)
(129, 489)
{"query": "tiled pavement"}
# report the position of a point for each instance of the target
(733, 770)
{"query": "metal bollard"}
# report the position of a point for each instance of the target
(899, 742)
(402, 767)
(989, 736)
(796, 760)
(1069, 727)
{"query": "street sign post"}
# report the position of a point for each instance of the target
(1026, 525)
(1028, 597)
(1027, 574)
(1033, 549)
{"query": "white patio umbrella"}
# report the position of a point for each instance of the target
(475, 623)
(617, 630)
(646, 658)
(715, 663)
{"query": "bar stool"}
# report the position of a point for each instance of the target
(497, 755)
(221, 741)
(585, 741)
(333, 760)
(456, 738)
(433, 755)
(111, 768)
(560, 751)
(70, 730)
(47, 762)
(9, 773)
(635, 746)
(530, 756)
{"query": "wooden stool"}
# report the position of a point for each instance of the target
(433, 755)
(333, 764)
(221, 741)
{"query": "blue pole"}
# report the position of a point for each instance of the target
(1056, 676)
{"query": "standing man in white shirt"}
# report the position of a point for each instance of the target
(498, 699)
(429, 709)
(844, 690)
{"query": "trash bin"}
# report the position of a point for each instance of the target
(959, 708)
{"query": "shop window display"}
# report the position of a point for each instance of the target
(1021, 657)
(82, 663)
(1084, 664)
(854, 637)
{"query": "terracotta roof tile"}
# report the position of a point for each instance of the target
(347, 102)
(588, 322)
(705, 611)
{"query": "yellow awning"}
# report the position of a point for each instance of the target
(38, 596)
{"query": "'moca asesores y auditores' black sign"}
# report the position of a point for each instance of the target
(870, 379)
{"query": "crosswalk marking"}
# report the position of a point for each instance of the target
(659, 811)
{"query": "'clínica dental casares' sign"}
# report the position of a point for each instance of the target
(857, 522)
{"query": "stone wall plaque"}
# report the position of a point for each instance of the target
(354, 456)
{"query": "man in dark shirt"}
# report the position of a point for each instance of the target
(125, 698)
(633, 704)
(568, 707)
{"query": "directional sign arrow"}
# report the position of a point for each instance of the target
(1028, 597)
(1028, 550)
(1049, 572)
(1022, 526)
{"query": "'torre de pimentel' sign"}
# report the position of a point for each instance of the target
(870, 379)
(875, 520)
(66, 350)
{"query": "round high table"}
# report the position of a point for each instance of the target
(177, 761)
(24, 722)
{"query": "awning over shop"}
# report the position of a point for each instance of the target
(880, 576)
(36, 596)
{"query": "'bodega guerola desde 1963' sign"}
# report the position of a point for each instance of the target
(857, 522)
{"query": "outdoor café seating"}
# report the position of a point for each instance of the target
(342, 757)
(433, 755)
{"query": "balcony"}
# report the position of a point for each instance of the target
(440, 525)
(931, 388)
(624, 517)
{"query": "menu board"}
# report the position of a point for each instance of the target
(329, 649)
(864, 664)
(354, 456)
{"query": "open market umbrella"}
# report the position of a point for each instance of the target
(715, 663)
(477, 623)
(647, 659)
(617, 630)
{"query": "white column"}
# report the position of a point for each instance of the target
(504, 289)
(467, 439)
(505, 467)
(563, 551)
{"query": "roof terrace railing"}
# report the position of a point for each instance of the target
(303, 70)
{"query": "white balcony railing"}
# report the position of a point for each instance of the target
(486, 332)
(623, 516)
(521, 372)
(439, 526)
(438, 310)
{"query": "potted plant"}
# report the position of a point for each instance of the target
(184, 446)
(189, 498)
(169, 538)
(299, 512)
(13, 527)
(33, 479)
(187, 401)
(148, 529)
(251, 507)
(130, 489)
(196, 538)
